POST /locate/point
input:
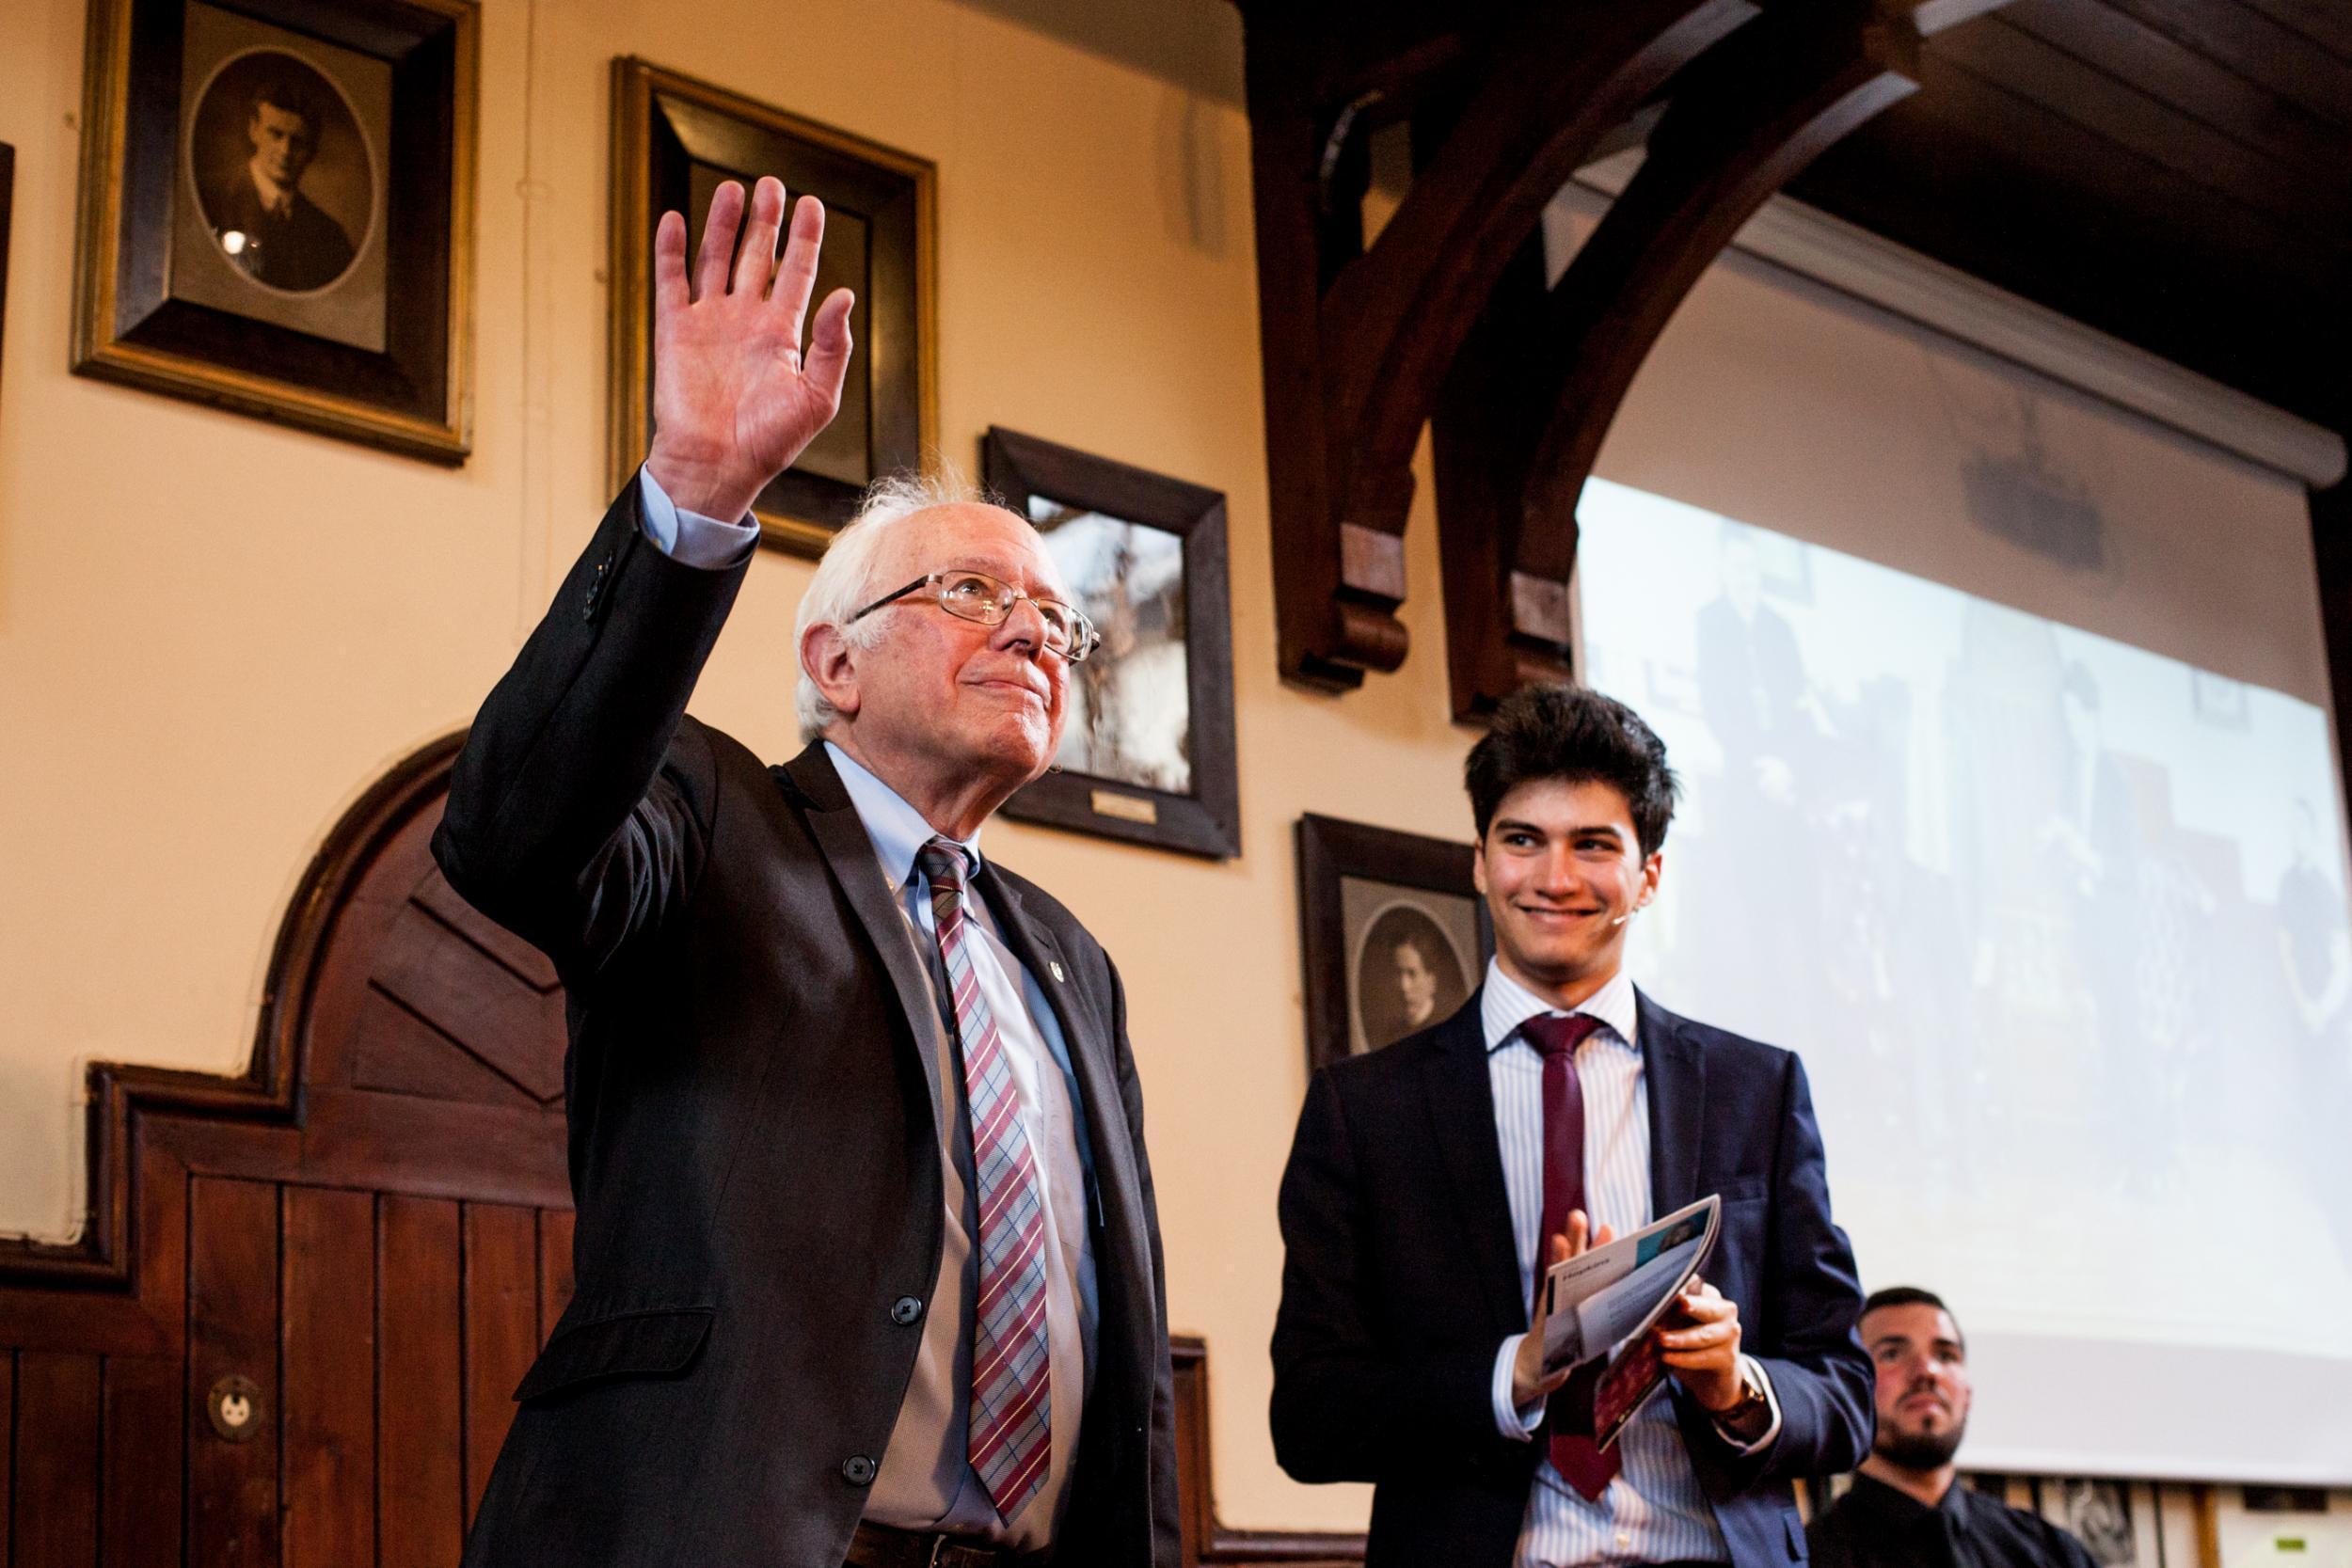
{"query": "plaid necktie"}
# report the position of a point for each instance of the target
(1009, 1438)
(1586, 1468)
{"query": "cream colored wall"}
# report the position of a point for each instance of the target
(215, 633)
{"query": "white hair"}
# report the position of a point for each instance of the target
(844, 583)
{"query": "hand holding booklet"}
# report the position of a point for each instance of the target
(1603, 1303)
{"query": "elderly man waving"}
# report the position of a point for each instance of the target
(868, 1270)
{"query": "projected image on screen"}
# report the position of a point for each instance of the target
(2059, 925)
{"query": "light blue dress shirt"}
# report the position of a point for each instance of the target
(689, 537)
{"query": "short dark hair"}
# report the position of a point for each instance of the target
(1579, 737)
(1910, 1295)
(285, 90)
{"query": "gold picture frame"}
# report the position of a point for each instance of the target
(280, 219)
(674, 139)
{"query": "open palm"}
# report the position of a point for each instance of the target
(735, 397)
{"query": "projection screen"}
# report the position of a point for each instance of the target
(2060, 926)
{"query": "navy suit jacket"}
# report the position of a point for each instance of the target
(1401, 1278)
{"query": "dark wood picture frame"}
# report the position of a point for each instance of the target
(666, 128)
(1206, 819)
(8, 202)
(413, 397)
(1330, 853)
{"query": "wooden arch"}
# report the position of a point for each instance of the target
(291, 1330)
(1362, 345)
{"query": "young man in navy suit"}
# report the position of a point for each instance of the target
(1427, 1180)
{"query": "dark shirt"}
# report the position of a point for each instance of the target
(1875, 1526)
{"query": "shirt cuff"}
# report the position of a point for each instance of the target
(690, 538)
(1517, 1424)
(1754, 1368)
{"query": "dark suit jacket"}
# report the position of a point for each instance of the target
(753, 1143)
(305, 250)
(1401, 1280)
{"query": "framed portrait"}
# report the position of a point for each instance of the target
(1147, 751)
(673, 140)
(8, 201)
(1392, 931)
(2115, 1520)
(277, 212)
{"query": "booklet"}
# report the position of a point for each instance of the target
(1603, 1303)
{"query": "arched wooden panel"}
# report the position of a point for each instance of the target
(370, 1227)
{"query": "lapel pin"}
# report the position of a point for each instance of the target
(1055, 968)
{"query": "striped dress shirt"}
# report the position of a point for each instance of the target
(1654, 1510)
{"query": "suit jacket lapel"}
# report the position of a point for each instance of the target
(1461, 1101)
(834, 822)
(1676, 1073)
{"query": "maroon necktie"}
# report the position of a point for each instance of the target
(1586, 1468)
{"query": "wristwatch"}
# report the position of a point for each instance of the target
(1754, 1411)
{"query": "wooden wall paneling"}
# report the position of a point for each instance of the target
(310, 1236)
(57, 1422)
(395, 1051)
(233, 1331)
(2162, 67)
(1355, 345)
(328, 1430)
(2326, 23)
(2282, 59)
(488, 1010)
(1205, 1540)
(501, 1306)
(528, 964)
(419, 1381)
(402, 1143)
(2125, 113)
(141, 1447)
(1753, 110)
(555, 1267)
(400, 805)
(357, 939)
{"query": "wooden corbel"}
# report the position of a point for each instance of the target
(1357, 342)
(1532, 398)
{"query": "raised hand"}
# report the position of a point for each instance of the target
(734, 400)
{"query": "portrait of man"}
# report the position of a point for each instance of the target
(253, 196)
(256, 207)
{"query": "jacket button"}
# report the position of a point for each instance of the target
(858, 1471)
(905, 1311)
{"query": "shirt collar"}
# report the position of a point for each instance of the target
(897, 828)
(275, 197)
(1505, 1004)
